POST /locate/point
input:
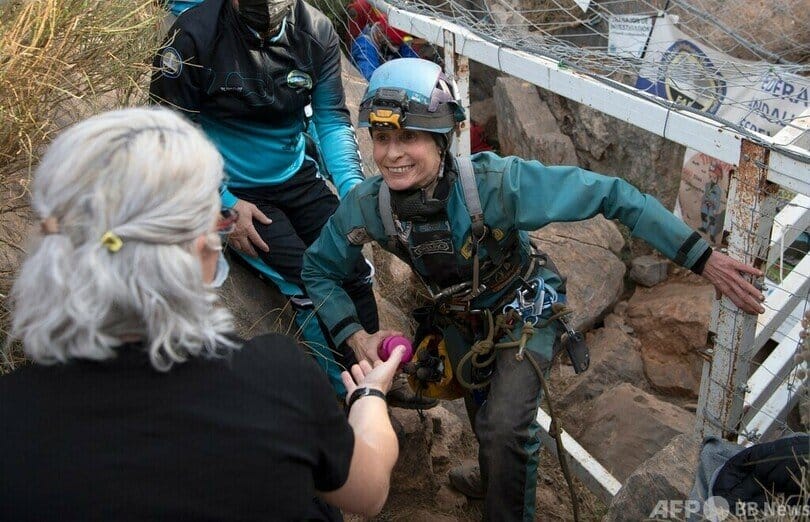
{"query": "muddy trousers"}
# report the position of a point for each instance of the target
(508, 437)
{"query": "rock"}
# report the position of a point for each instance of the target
(667, 475)
(672, 323)
(414, 469)
(610, 146)
(615, 359)
(526, 126)
(392, 317)
(257, 305)
(431, 445)
(648, 270)
(595, 275)
(484, 113)
(449, 432)
(625, 426)
(450, 499)
(597, 231)
(397, 281)
(426, 515)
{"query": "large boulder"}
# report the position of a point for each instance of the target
(392, 316)
(672, 323)
(611, 146)
(396, 280)
(585, 253)
(667, 475)
(432, 445)
(625, 426)
(615, 359)
(256, 303)
(526, 127)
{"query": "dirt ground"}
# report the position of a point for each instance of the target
(435, 501)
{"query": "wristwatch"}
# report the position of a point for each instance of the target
(364, 391)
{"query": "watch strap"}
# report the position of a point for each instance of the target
(364, 391)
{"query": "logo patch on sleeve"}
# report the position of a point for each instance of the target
(171, 63)
(359, 236)
(299, 81)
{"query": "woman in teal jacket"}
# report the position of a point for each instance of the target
(480, 263)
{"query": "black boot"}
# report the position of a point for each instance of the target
(401, 396)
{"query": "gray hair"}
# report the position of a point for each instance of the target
(151, 178)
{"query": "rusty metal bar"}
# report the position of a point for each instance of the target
(458, 67)
(752, 205)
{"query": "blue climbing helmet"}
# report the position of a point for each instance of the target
(410, 93)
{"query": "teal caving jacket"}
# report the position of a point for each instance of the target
(516, 196)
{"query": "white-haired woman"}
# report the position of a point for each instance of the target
(139, 404)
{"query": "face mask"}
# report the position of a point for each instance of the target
(221, 274)
(263, 15)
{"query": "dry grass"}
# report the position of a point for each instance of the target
(65, 58)
(60, 61)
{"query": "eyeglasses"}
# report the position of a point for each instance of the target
(227, 221)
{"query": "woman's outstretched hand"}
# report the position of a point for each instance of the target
(726, 274)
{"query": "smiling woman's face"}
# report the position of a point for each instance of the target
(407, 159)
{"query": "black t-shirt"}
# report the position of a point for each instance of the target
(250, 436)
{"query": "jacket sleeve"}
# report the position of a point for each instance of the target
(537, 195)
(327, 263)
(331, 117)
(365, 55)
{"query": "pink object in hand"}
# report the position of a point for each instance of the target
(391, 342)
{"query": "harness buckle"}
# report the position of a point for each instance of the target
(531, 299)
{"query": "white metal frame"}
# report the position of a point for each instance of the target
(637, 107)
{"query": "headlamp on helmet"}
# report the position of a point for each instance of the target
(388, 109)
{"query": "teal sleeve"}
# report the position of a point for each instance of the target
(338, 142)
(327, 263)
(228, 199)
(537, 195)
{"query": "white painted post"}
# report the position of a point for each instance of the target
(457, 67)
(752, 203)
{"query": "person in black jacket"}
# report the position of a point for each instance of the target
(262, 77)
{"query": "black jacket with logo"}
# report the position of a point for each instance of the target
(249, 93)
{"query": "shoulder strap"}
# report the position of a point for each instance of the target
(386, 214)
(478, 227)
(466, 175)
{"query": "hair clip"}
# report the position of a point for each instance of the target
(111, 241)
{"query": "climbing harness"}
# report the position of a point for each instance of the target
(502, 256)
